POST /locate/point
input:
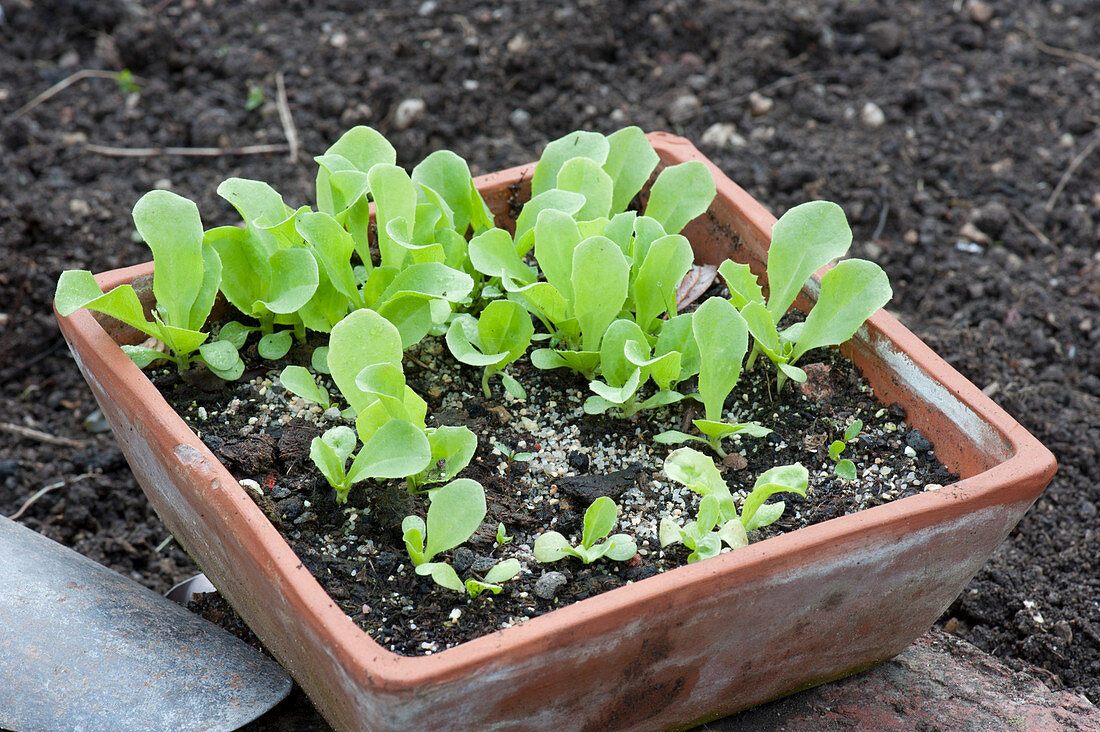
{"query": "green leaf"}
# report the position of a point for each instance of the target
(442, 574)
(503, 571)
(835, 449)
(722, 336)
(743, 285)
(615, 364)
(680, 193)
(360, 148)
(598, 300)
(630, 161)
(669, 532)
(236, 333)
(512, 386)
(143, 356)
(452, 449)
(673, 437)
(621, 547)
(550, 200)
(615, 395)
(676, 335)
(274, 346)
(709, 513)
(804, 239)
(222, 358)
(430, 280)
(412, 532)
(255, 201)
(666, 262)
(846, 469)
(462, 340)
(733, 533)
(297, 380)
(851, 292)
(455, 512)
(78, 289)
(783, 478)
(294, 279)
(361, 339)
(208, 291)
(332, 246)
(556, 239)
(394, 197)
(397, 449)
(585, 176)
(505, 327)
(853, 430)
(171, 226)
(598, 521)
(318, 360)
(724, 429)
(493, 253)
(696, 471)
(591, 145)
(449, 175)
(550, 546)
(329, 453)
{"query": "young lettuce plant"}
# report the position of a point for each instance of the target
(804, 239)
(718, 521)
(499, 336)
(267, 273)
(845, 468)
(721, 337)
(385, 455)
(454, 513)
(626, 364)
(599, 519)
(185, 283)
(364, 360)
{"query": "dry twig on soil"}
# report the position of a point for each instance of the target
(209, 152)
(64, 84)
(1073, 166)
(46, 489)
(21, 431)
(289, 129)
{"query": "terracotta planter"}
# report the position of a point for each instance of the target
(690, 645)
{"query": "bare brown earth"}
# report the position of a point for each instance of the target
(962, 139)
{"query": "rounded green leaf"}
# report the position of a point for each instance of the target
(456, 511)
(442, 574)
(171, 226)
(621, 547)
(298, 380)
(591, 145)
(274, 346)
(503, 571)
(397, 449)
(585, 176)
(551, 546)
(850, 293)
(679, 194)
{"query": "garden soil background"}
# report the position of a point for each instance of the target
(962, 138)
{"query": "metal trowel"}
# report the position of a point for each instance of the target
(84, 648)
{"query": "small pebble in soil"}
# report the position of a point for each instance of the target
(548, 585)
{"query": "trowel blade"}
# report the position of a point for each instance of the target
(82, 647)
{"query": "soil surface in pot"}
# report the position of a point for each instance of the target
(566, 459)
(948, 132)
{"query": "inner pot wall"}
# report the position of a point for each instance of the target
(698, 642)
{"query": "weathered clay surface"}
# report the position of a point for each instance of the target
(939, 683)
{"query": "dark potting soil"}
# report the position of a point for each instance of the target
(356, 552)
(948, 132)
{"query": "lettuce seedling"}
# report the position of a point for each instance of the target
(452, 450)
(454, 513)
(267, 273)
(444, 575)
(397, 449)
(185, 282)
(502, 537)
(845, 468)
(499, 336)
(626, 364)
(599, 519)
(804, 239)
(697, 472)
(721, 335)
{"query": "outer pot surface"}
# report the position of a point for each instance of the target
(696, 643)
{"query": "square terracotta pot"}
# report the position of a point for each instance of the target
(693, 644)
